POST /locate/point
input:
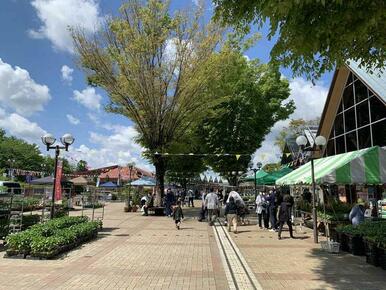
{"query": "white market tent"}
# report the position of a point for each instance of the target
(365, 166)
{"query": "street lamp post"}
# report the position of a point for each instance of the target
(236, 174)
(255, 170)
(319, 142)
(131, 166)
(49, 141)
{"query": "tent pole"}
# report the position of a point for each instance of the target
(314, 214)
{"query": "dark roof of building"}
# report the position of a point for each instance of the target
(376, 79)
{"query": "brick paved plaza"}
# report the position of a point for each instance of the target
(136, 252)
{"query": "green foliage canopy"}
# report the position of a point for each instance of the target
(17, 153)
(154, 66)
(254, 100)
(315, 36)
(81, 166)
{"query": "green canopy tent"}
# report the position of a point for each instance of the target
(271, 177)
(365, 166)
(259, 174)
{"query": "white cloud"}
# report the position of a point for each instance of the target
(57, 16)
(94, 118)
(67, 73)
(117, 148)
(88, 98)
(72, 119)
(17, 89)
(309, 100)
(20, 127)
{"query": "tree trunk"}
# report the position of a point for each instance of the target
(159, 165)
(232, 180)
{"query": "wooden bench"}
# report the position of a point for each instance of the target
(157, 210)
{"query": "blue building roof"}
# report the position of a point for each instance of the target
(376, 80)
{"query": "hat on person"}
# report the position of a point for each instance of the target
(360, 201)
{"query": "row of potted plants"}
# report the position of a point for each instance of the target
(333, 210)
(95, 205)
(368, 238)
(52, 238)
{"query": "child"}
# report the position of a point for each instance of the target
(178, 215)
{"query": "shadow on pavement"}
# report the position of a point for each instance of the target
(107, 230)
(345, 271)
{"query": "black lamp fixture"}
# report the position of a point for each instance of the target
(49, 140)
(318, 144)
(255, 169)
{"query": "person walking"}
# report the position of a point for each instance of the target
(169, 200)
(211, 203)
(231, 212)
(265, 212)
(272, 210)
(178, 215)
(190, 198)
(260, 208)
(357, 213)
(285, 216)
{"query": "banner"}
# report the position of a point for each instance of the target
(58, 181)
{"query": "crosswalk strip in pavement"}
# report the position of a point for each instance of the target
(238, 273)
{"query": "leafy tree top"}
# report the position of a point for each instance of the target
(254, 100)
(315, 36)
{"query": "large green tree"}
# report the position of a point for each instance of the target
(314, 36)
(183, 168)
(254, 100)
(17, 153)
(81, 166)
(154, 66)
(48, 165)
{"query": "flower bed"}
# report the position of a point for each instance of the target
(96, 205)
(52, 238)
(27, 204)
(30, 220)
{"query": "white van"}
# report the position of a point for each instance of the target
(11, 187)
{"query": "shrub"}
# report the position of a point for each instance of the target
(372, 231)
(30, 220)
(49, 239)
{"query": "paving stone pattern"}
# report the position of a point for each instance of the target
(132, 252)
(136, 252)
(301, 264)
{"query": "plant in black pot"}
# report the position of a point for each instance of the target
(342, 238)
(371, 250)
(381, 249)
(354, 236)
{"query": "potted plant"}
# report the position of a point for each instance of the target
(382, 252)
(342, 238)
(356, 244)
(371, 250)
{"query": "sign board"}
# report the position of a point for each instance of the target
(58, 180)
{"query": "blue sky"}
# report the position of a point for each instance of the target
(42, 90)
